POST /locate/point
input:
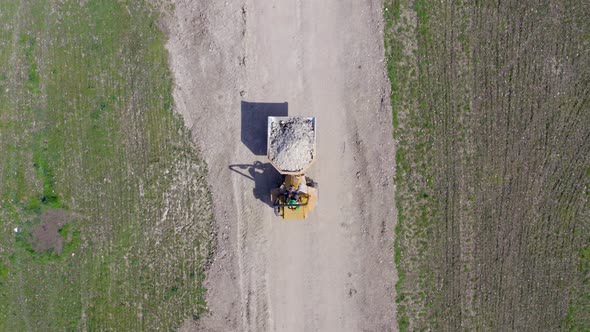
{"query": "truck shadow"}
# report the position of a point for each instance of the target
(264, 175)
(254, 123)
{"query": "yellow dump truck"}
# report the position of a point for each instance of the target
(291, 149)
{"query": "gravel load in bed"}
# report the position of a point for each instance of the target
(291, 144)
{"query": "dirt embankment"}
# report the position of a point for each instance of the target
(335, 271)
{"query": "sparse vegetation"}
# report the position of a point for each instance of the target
(491, 116)
(104, 209)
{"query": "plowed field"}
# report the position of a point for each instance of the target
(492, 113)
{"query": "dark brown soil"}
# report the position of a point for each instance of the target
(46, 237)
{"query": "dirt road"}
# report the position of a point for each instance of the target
(234, 64)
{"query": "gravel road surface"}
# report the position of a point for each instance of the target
(236, 62)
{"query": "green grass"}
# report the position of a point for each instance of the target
(87, 126)
(413, 146)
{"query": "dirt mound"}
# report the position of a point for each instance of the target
(292, 143)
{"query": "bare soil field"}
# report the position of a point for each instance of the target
(492, 114)
(237, 62)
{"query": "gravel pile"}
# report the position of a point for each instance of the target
(291, 144)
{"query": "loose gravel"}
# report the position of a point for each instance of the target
(291, 146)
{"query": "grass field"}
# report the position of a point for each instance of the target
(491, 108)
(105, 214)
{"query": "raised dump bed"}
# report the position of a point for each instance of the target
(291, 143)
